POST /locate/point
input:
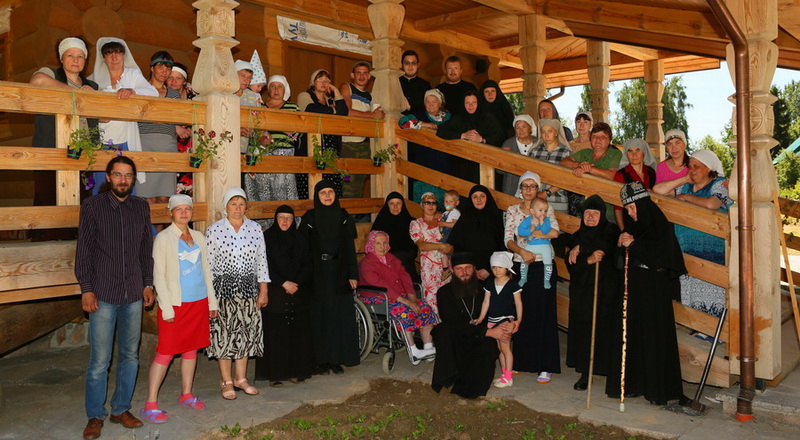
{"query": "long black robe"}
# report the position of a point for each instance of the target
(479, 232)
(486, 125)
(652, 365)
(535, 345)
(500, 108)
(581, 295)
(465, 356)
(331, 231)
(288, 344)
(397, 226)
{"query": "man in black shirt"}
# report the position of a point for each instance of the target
(414, 87)
(454, 88)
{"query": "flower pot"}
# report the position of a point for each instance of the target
(195, 161)
(250, 159)
(377, 161)
(321, 165)
(74, 153)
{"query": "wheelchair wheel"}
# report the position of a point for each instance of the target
(388, 362)
(366, 330)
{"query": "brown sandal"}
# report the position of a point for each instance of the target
(228, 390)
(243, 386)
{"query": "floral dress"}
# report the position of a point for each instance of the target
(430, 262)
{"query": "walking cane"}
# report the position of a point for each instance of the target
(624, 336)
(594, 326)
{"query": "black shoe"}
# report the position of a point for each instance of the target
(580, 385)
(632, 395)
(337, 369)
(323, 369)
(275, 384)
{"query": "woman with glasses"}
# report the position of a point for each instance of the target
(427, 235)
(536, 348)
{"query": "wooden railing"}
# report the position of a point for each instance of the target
(32, 271)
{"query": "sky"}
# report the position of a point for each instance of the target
(707, 91)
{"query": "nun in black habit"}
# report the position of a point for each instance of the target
(652, 366)
(394, 219)
(330, 231)
(594, 243)
(479, 230)
(499, 106)
(288, 346)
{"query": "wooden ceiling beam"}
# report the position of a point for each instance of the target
(504, 43)
(625, 16)
(456, 18)
(459, 41)
(789, 17)
(515, 7)
(640, 53)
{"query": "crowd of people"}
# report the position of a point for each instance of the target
(281, 291)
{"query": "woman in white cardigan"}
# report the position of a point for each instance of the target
(186, 302)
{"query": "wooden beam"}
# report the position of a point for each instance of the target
(671, 21)
(32, 158)
(699, 321)
(46, 217)
(456, 18)
(39, 293)
(30, 265)
(302, 122)
(296, 164)
(515, 7)
(640, 53)
(789, 17)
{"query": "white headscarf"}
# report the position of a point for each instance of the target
(71, 43)
(317, 72)
(502, 259)
(639, 143)
(101, 75)
(709, 159)
(178, 200)
(528, 175)
(526, 118)
(287, 92)
(181, 71)
(242, 65)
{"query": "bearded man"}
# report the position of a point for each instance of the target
(466, 354)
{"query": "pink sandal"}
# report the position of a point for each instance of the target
(154, 415)
(243, 386)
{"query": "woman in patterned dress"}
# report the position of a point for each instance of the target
(426, 234)
(238, 260)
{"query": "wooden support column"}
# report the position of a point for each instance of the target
(273, 59)
(68, 189)
(386, 19)
(654, 89)
(598, 55)
(758, 19)
(216, 81)
(532, 53)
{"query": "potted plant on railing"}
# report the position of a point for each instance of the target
(387, 155)
(206, 145)
(326, 158)
(89, 140)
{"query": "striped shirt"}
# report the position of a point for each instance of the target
(114, 258)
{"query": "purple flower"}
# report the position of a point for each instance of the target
(89, 183)
(346, 178)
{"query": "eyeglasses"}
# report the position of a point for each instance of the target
(428, 202)
(410, 63)
(119, 176)
(323, 79)
(528, 187)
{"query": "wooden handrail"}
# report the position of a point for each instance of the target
(683, 213)
(303, 122)
(32, 158)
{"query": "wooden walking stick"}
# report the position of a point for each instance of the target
(789, 275)
(594, 326)
(624, 336)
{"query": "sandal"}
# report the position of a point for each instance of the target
(194, 403)
(243, 386)
(228, 390)
(154, 415)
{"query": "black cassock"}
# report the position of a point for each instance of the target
(465, 357)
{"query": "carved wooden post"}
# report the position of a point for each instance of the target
(598, 55)
(532, 53)
(216, 81)
(758, 19)
(67, 182)
(386, 19)
(654, 89)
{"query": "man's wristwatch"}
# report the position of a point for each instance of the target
(151, 287)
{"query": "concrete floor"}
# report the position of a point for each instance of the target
(42, 398)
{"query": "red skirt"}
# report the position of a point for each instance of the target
(189, 331)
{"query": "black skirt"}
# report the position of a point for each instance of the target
(535, 345)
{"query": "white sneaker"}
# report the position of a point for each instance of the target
(544, 377)
(502, 382)
(422, 354)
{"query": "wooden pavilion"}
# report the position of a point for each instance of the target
(530, 45)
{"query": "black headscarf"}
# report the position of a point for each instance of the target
(395, 225)
(655, 244)
(479, 230)
(328, 219)
(592, 238)
(500, 108)
(285, 249)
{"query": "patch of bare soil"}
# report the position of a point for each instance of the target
(395, 409)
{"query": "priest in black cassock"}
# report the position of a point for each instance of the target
(466, 354)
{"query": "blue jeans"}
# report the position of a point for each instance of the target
(127, 320)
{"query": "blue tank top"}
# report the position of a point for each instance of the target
(193, 281)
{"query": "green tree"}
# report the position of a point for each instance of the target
(586, 100)
(631, 120)
(787, 168)
(515, 99)
(725, 154)
(783, 122)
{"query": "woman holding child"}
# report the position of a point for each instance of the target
(428, 237)
(536, 347)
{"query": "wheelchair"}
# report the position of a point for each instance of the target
(377, 329)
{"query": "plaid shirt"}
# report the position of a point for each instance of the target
(558, 200)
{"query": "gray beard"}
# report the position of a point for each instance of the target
(465, 289)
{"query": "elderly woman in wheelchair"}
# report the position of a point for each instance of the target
(382, 270)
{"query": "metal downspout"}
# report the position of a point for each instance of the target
(744, 410)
